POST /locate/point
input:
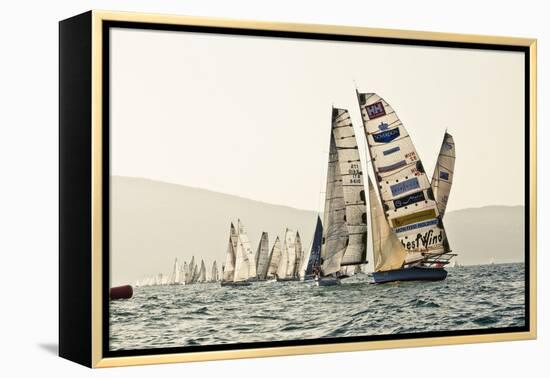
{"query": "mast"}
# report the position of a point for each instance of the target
(345, 216)
(407, 198)
(442, 178)
(274, 260)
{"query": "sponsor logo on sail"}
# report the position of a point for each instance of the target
(404, 186)
(444, 175)
(391, 151)
(448, 146)
(383, 126)
(375, 110)
(386, 136)
(409, 200)
(424, 240)
(392, 167)
(416, 226)
(414, 218)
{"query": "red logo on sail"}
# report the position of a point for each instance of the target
(375, 110)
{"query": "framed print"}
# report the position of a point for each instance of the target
(235, 189)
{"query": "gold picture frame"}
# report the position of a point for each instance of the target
(82, 234)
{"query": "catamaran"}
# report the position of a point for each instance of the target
(408, 233)
(345, 217)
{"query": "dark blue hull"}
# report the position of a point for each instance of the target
(410, 274)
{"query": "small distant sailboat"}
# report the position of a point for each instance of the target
(313, 261)
(345, 217)
(287, 268)
(274, 260)
(202, 273)
(214, 273)
(262, 257)
(409, 238)
(236, 270)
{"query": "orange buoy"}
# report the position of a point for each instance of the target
(121, 292)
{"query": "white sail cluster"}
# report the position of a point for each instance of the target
(406, 212)
(284, 261)
(183, 274)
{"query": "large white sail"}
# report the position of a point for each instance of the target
(191, 271)
(229, 267)
(241, 263)
(442, 179)
(262, 256)
(345, 217)
(289, 249)
(275, 259)
(298, 265)
(214, 272)
(407, 197)
(202, 272)
(283, 262)
(388, 251)
(185, 272)
(248, 252)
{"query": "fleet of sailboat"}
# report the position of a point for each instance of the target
(405, 210)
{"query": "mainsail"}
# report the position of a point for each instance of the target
(289, 249)
(299, 256)
(407, 197)
(345, 217)
(442, 179)
(214, 274)
(275, 259)
(262, 256)
(241, 263)
(229, 267)
(248, 253)
(202, 273)
(315, 252)
(388, 251)
(283, 262)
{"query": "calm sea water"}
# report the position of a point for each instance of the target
(473, 297)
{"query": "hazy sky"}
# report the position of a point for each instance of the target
(251, 116)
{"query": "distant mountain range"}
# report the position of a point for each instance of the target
(153, 222)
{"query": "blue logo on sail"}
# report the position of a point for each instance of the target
(383, 126)
(404, 186)
(386, 136)
(444, 175)
(415, 226)
(409, 200)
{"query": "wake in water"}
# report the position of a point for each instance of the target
(473, 297)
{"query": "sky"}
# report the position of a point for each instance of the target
(250, 116)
